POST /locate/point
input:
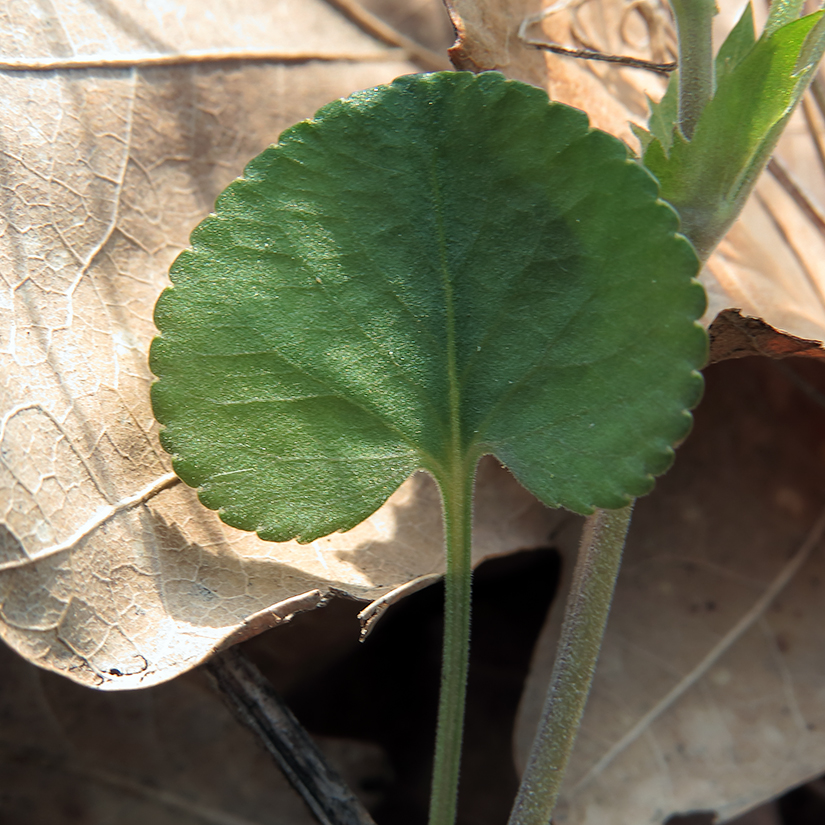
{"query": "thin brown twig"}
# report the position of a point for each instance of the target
(255, 702)
(588, 54)
(818, 93)
(816, 134)
(784, 179)
(50, 64)
(376, 27)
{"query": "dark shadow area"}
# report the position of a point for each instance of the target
(386, 690)
(704, 818)
(804, 805)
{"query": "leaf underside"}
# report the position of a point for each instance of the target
(424, 273)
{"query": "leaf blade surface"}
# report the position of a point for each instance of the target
(432, 267)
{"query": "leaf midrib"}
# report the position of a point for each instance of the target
(453, 453)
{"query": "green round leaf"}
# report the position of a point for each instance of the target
(423, 273)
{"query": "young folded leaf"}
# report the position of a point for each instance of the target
(664, 114)
(424, 273)
(737, 45)
(758, 84)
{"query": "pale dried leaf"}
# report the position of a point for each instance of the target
(111, 572)
(771, 265)
(709, 693)
(489, 39)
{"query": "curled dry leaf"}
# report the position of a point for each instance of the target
(111, 572)
(771, 265)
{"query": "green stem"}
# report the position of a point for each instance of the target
(588, 604)
(457, 500)
(694, 22)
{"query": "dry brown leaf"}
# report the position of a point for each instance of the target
(771, 266)
(425, 22)
(709, 693)
(171, 755)
(111, 572)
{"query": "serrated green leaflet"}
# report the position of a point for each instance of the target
(426, 272)
(709, 177)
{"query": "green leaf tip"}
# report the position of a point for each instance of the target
(423, 273)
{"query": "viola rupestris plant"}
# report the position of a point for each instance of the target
(452, 266)
(424, 273)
